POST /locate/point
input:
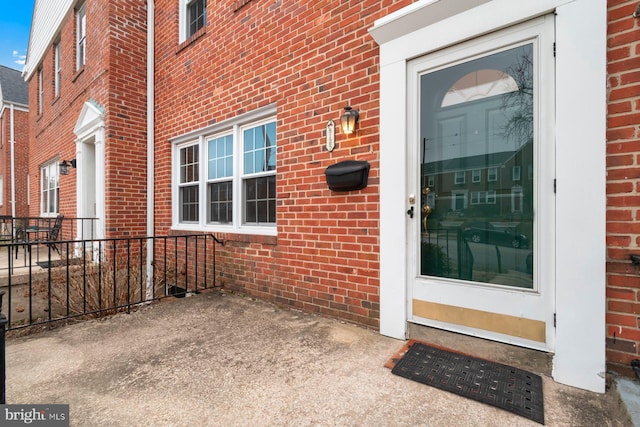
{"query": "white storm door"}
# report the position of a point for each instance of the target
(481, 138)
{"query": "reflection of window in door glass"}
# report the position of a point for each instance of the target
(431, 181)
(478, 116)
(515, 173)
(516, 199)
(492, 174)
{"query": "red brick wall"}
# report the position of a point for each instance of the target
(126, 139)
(21, 160)
(623, 183)
(311, 59)
(113, 77)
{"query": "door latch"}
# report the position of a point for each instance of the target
(410, 212)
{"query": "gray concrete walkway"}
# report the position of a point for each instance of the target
(223, 360)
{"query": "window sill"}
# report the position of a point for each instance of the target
(230, 236)
(192, 39)
(77, 74)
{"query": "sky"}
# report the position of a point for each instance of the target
(15, 23)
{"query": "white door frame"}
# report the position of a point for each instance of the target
(508, 314)
(581, 26)
(89, 130)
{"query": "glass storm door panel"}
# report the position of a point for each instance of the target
(476, 177)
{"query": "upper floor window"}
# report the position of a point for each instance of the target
(49, 188)
(193, 17)
(81, 36)
(492, 174)
(515, 173)
(40, 91)
(226, 180)
(57, 68)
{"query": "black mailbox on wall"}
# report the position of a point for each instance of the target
(348, 175)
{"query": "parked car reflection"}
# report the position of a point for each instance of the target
(485, 232)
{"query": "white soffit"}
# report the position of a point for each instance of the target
(419, 15)
(45, 25)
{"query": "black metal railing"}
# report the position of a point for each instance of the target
(445, 252)
(12, 228)
(98, 277)
(24, 231)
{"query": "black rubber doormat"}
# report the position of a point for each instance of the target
(505, 387)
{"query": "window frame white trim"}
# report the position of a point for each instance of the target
(183, 28)
(516, 173)
(57, 68)
(492, 177)
(52, 164)
(81, 36)
(235, 127)
(40, 91)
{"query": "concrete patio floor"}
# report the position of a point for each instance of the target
(218, 359)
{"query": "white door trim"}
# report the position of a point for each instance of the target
(89, 129)
(480, 308)
(579, 358)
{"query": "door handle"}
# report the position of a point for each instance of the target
(410, 212)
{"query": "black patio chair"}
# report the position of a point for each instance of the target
(47, 236)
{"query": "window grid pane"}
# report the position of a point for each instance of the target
(196, 16)
(81, 33)
(260, 200)
(50, 192)
(220, 157)
(221, 202)
(260, 149)
(189, 203)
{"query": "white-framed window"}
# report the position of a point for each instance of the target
(515, 173)
(492, 174)
(516, 199)
(483, 197)
(476, 175)
(49, 188)
(81, 36)
(459, 177)
(225, 177)
(220, 179)
(57, 68)
(491, 197)
(475, 198)
(193, 17)
(40, 91)
(189, 200)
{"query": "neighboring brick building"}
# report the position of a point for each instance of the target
(86, 68)
(500, 201)
(14, 144)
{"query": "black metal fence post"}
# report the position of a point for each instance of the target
(3, 330)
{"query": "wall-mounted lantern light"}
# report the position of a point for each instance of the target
(348, 120)
(64, 166)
